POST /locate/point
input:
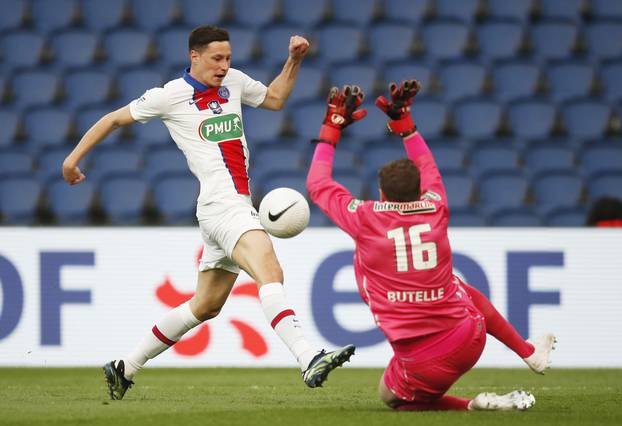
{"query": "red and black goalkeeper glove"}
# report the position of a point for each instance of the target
(341, 112)
(398, 109)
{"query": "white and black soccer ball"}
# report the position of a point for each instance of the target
(284, 212)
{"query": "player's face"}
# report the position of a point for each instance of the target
(212, 63)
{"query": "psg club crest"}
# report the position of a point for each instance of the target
(215, 107)
(223, 92)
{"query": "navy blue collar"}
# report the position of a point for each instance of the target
(194, 83)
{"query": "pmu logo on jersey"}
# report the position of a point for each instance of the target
(216, 129)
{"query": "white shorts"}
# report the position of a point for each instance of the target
(221, 227)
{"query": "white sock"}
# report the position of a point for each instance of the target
(162, 336)
(284, 322)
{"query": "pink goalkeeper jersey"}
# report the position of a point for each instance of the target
(402, 258)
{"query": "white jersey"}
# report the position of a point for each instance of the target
(206, 124)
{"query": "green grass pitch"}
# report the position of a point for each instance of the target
(258, 397)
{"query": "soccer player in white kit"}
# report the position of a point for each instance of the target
(202, 111)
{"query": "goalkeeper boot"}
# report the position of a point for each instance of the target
(540, 360)
(516, 400)
(323, 363)
(115, 379)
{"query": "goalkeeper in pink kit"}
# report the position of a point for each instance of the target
(436, 323)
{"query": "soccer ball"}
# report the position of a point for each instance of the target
(284, 212)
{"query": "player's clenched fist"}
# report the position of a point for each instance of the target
(398, 109)
(298, 47)
(72, 174)
(341, 111)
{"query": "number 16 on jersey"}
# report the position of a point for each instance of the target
(398, 235)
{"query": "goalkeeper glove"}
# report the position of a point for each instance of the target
(341, 112)
(398, 109)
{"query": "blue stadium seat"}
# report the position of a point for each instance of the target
(274, 43)
(502, 190)
(304, 14)
(100, 16)
(515, 9)
(151, 134)
(254, 13)
(291, 179)
(586, 119)
(364, 76)
(570, 80)
(133, 83)
(553, 39)
(158, 162)
(400, 71)
(126, 47)
(47, 126)
(445, 39)
(265, 74)
(318, 218)
(409, 11)
(21, 49)
(374, 158)
(13, 161)
(599, 158)
(515, 80)
(74, 48)
(12, 14)
(308, 86)
(491, 158)
(345, 161)
(175, 197)
(261, 124)
(123, 198)
(461, 80)
(85, 118)
(19, 197)
(531, 119)
(556, 190)
(360, 13)
(499, 39)
(70, 205)
(515, 217)
(611, 77)
(430, 116)
(606, 9)
(243, 41)
(466, 217)
(87, 87)
(546, 158)
(173, 47)
(307, 118)
(459, 188)
(477, 118)
(8, 126)
(199, 12)
(604, 39)
(561, 9)
(34, 88)
(151, 18)
(373, 126)
(53, 15)
(50, 162)
(449, 157)
(112, 160)
(268, 160)
(339, 42)
(606, 185)
(352, 182)
(464, 10)
(390, 41)
(570, 217)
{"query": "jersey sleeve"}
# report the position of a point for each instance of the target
(331, 197)
(253, 92)
(432, 186)
(152, 104)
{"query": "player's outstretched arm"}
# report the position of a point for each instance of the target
(283, 84)
(97, 133)
(401, 123)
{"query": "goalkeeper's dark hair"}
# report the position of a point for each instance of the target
(400, 181)
(200, 37)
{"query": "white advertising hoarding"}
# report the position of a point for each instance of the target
(83, 296)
